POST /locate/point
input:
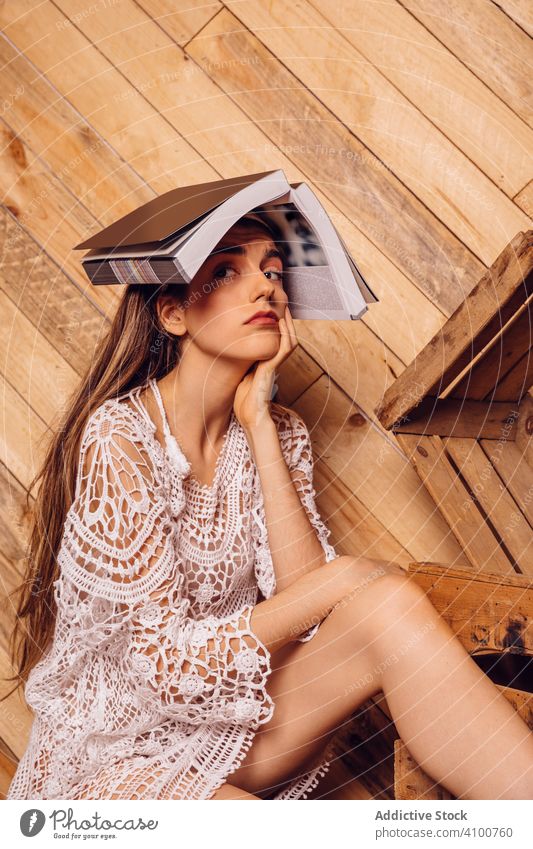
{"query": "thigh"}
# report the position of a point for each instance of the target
(134, 780)
(316, 686)
(229, 791)
(115, 782)
(121, 781)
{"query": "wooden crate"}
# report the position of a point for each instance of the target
(488, 613)
(462, 412)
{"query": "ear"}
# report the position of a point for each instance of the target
(171, 315)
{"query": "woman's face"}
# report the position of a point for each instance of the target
(243, 275)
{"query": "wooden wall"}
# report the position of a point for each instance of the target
(413, 123)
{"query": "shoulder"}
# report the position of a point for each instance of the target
(116, 417)
(117, 428)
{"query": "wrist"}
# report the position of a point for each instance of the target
(261, 430)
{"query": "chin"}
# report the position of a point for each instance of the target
(258, 346)
(265, 349)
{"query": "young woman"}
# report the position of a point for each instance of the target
(190, 633)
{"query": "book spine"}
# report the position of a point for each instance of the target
(132, 271)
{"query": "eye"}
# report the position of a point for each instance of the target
(218, 272)
(276, 271)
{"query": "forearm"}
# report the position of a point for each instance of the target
(294, 545)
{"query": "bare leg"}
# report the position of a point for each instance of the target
(456, 723)
(229, 791)
(388, 636)
(138, 783)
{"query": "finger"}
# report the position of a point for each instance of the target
(285, 347)
(281, 353)
(286, 342)
(293, 338)
(290, 325)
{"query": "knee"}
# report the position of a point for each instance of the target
(359, 571)
(381, 587)
(400, 589)
(396, 599)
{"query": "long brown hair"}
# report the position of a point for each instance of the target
(135, 349)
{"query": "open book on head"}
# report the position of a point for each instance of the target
(167, 239)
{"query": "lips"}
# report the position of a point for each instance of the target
(267, 317)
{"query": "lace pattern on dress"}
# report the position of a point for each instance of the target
(154, 670)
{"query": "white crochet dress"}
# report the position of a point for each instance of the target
(158, 578)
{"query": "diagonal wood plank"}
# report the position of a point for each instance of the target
(344, 370)
(524, 199)
(520, 11)
(354, 528)
(43, 378)
(491, 369)
(44, 294)
(461, 512)
(440, 86)
(115, 109)
(382, 118)
(15, 717)
(492, 302)
(154, 118)
(47, 211)
(296, 374)
(375, 470)
(180, 19)
(59, 136)
(457, 417)
(343, 168)
(497, 502)
(23, 436)
(483, 610)
(488, 42)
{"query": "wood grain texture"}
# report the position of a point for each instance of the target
(484, 609)
(494, 300)
(456, 503)
(363, 98)
(440, 86)
(457, 417)
(486, 612)
(501, 373)
(306, 127)
(467, 29)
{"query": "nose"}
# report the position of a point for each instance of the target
(261, 286)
